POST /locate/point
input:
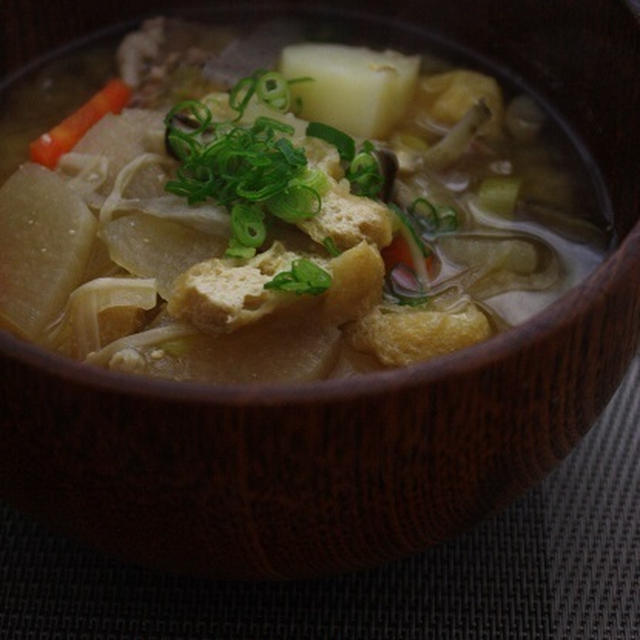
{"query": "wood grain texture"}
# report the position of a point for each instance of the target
(301, 481)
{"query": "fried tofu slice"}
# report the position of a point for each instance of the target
(349, 219)
(324, 156)
(403, 337)
(357, 278)
(221, 295)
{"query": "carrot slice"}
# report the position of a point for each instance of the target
(399, 252)
(48, 148)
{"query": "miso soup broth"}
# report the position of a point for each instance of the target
(287, 200)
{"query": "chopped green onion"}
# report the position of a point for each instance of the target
(331, 247)
(237, 250)
(262, 124)
(273, 90)
(295, 157)
(243, 91)
(269, 87)
(315, 179)
(499, 194)
(247, 225)
(434, 219)
(295, 203)
(364, 172)
(447, 219)
(305, 277)
(344, 143)
(198, 110)
(235, 163)
(425, 212)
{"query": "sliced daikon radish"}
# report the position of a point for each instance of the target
(262, 352)
(46, 235)
(150, 247)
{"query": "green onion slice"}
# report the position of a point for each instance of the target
(236, 250)
(364, 173)
(243, 91)
(331, 247)
(305, 277)
(295, 203)
(247, 225)
(344, 143)
(199, 111)
(425, 212)
(273, 90)
(315, 179)
(434, 218)
(447, 219)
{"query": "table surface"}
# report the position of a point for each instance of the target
(562, 562)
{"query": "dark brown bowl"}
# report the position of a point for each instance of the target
(294, 481)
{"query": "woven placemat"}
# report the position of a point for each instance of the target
(563, 562)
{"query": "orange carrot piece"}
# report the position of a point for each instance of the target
(399, 252)
(48, 148)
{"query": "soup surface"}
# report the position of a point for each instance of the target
(268, 203)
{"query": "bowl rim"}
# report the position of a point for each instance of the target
(572, 304)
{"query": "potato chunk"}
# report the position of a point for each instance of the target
(360, 91)
(402, 337)
(46, 234)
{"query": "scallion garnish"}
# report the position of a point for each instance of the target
(295, 203)
(229, 163)
(447, 219)
(331, 247)
(344, 143)
(242, 92)
(237, 250)
(269, 87)
(434, 219)
(247, 225)
(364, 172)
(425, 212)
(305, 277)
(273, 90)
(252, 170)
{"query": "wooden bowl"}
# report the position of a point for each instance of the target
(295, 481)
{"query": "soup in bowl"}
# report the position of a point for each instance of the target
(395, 255)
